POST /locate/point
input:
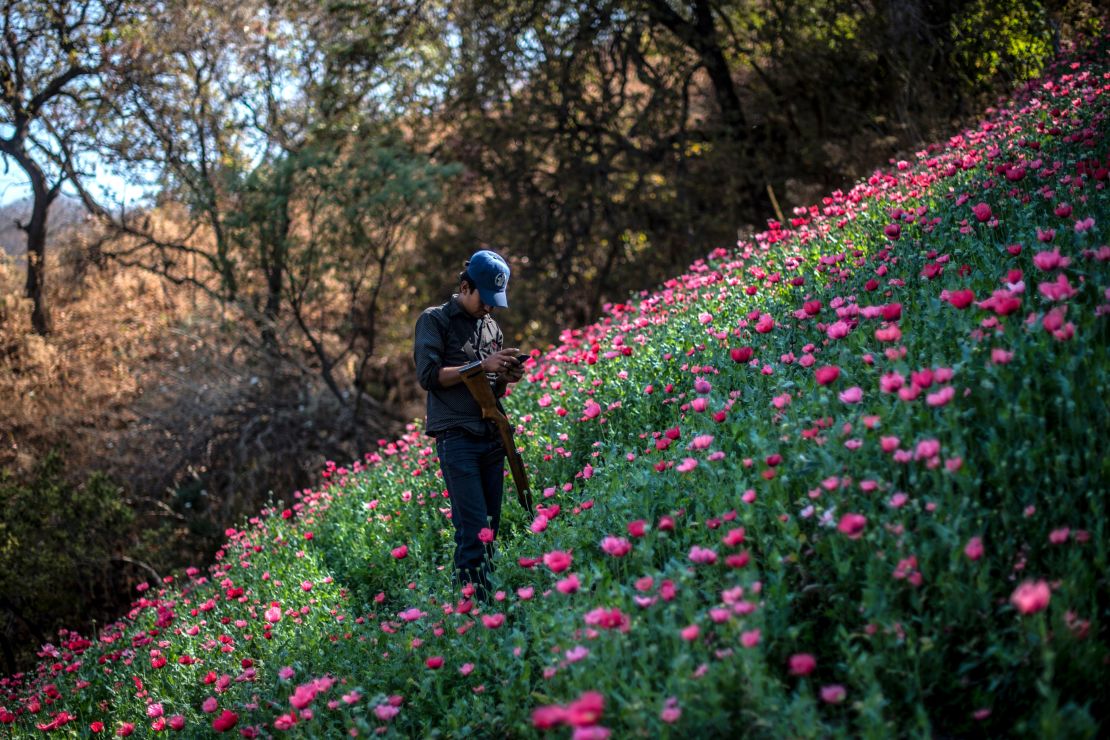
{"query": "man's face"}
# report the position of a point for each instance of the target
(471, 301)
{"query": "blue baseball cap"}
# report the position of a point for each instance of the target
(491, 274)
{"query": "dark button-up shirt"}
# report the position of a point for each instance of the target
(443, 335)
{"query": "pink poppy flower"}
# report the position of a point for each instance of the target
(209, 705)
(891, 382)
(852, 395)
(593, 409)
(637, 528)
(1002, 302)
(493, 621)
(616, 546)
(750, 638)
(926, 449)
(802, 664)
(608, 619)
(386, 712)
(741, 354)
(922, 378)
(702, 555)
(827, 374)
(734, 538)
(1048, 261)
(1000, 356)
(435, 662)
(686, 465)
(303, 695)
(485, 534)
(400, 552)
(548, 717)
(539, 524)
(225, 721)
(941, 397)
(1060, 290)
(690, 633)
(719, 615)
(852, 525)
(837, 330)
(982, 212)
(833, 693)
(568, 585)
(577, 653)
(701, 442)
(888, 333)
(960, 298)
(557, 560)
(1031, 597)
(586, 710)
(273, 614)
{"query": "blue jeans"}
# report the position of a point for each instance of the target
(474, 471)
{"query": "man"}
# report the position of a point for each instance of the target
(470, 451)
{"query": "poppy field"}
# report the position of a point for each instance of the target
(848, 477)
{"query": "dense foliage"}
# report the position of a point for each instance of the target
(846, 478)
(50, 545)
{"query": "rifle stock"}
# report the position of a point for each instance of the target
(478, 385)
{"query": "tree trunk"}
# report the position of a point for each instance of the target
(701, 37)
(36, 245)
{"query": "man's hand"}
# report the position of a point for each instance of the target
(501, 363)
(514, 373)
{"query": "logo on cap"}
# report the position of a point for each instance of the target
(499, 280)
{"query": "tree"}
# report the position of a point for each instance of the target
(277, 142)
(52, 55)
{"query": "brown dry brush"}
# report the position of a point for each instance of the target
(153, 386)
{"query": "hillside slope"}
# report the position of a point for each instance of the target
(846, 479)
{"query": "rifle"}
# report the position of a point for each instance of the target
(478, 384)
